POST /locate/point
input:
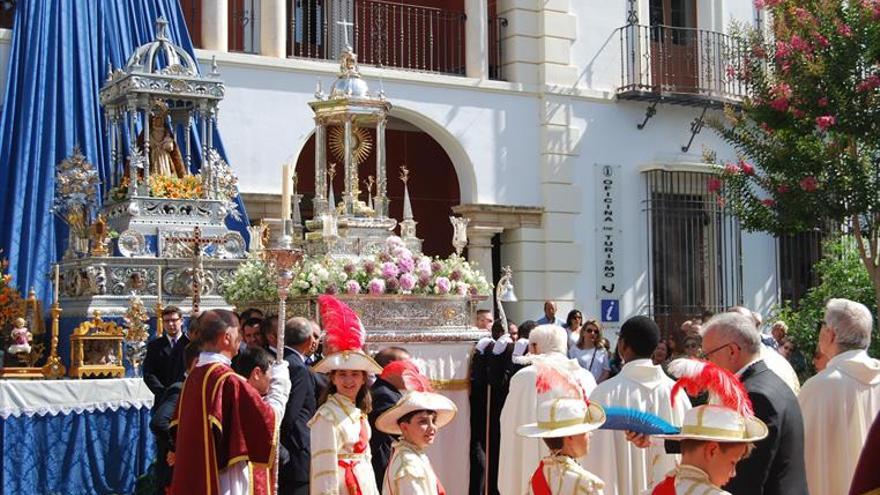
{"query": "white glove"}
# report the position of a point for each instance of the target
(484, 343)
(279, 388)
(520, 347)
(501, 344)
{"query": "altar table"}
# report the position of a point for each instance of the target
(74, 436)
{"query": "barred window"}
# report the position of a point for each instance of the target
(694, 248)
(798, 255)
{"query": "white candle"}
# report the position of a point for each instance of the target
(285, 192)
(57, 282)
(159, 285)
(329, 226)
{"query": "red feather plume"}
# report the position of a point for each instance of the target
(416, 382)
(396, 368)
(342, 325)
(695, 376)
(550, 377)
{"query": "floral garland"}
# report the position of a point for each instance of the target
(161, 186)
(395, 270)
(11, 303)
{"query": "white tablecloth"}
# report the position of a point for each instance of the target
(41, 397)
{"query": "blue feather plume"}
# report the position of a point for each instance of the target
(622, 418)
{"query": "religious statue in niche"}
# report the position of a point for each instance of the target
(165, 158)
(21, 338)
(100, 352)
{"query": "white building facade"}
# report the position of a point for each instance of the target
(538, 113)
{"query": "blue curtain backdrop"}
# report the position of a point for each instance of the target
(76, 454)
(57, 64)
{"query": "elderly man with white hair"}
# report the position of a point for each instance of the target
(840, 403)
(775, 361)
(776, 465)
(518, 455)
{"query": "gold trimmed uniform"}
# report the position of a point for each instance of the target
(565, 476)
(340, 462)
(410, 472)
(686, 480)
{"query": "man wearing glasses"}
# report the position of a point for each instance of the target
(776, 466)
(160, 365)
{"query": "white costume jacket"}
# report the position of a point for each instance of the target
(838, 405)
(625, 468)
(335, 431)
(518, 456)
(778, 364)
(566, 477)
(409, 472)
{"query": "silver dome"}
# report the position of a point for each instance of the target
(146, 57)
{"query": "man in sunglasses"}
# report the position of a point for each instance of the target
(776, 466)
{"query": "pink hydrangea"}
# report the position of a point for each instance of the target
(423, 267)
(352, 287)
(825, 121)
(406, 264)
(443, 285)
(809, 183)
(389, 270)
(376, 286)
(407, 281)
(713, 184)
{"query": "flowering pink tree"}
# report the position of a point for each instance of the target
(809, 133)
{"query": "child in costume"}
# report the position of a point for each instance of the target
(564, 424)
(714, 437)
(416, 418)
(340, 433)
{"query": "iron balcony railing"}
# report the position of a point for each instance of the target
(388, 34)
(682, 65)
(242, 24)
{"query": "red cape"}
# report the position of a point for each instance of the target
(220, 420)
(866, 479)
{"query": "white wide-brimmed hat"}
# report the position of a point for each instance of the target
(562, 417)
(348, 360)
(716, 423)
(417, 401)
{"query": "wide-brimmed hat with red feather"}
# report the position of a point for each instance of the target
(345, 337)
(419, 396)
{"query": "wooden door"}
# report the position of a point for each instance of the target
(674, 45)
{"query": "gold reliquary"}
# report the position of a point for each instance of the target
(96, 349)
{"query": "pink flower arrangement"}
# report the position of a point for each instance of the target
(407, 281)
(376, 286)
(825, 121)
(389, 269)
(809, 183)
(443, 285)
(406, 264)
(392, 285)
(352, 287)
(713, 185)
(461, 289)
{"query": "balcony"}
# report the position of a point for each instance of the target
(683, 66)
(415, 35)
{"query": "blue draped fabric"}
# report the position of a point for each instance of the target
(57, 64)
(77, 453)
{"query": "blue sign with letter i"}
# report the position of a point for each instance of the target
(610, 310)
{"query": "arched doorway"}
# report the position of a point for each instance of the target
(433, 186)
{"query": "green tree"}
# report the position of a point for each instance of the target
(808, 134)
(841, 274)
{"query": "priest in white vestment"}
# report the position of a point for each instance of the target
(625, 468)
(519, 456)
(840, 403)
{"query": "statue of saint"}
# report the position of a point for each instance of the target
(165, 158)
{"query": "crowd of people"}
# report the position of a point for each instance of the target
(546, 398)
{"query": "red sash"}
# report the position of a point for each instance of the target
(666, 487)
(539, 482)
(440, 489)
(351, 481)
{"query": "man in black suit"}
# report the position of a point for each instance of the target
(776, 465)
(161, 368)
(385, 393)
(301, 337)
(269, 329)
